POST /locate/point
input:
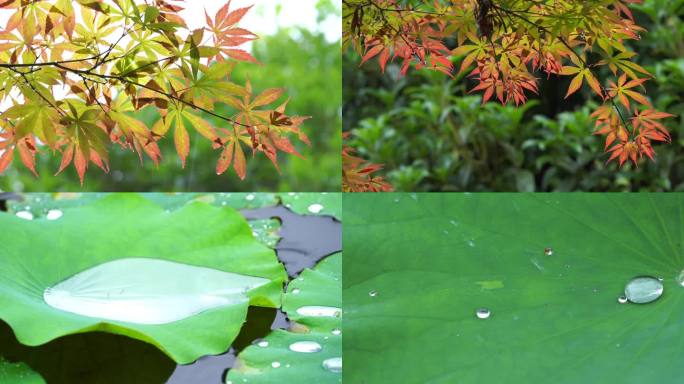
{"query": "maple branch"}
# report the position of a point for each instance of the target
(567, 45)
(166, 94)
(397, 32)
(89, 72)
(35, 90)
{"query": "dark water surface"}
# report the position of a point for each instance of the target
(105, 358)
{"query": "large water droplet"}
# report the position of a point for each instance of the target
(305, 347)
(644, 289)
(26, 215)
(482, 313)
(149, 291)
(319, 311)
(315, 208)
(54, 214)
(333, 365)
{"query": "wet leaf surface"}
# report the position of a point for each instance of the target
(305, 352)
(418, 270)
(121, 226)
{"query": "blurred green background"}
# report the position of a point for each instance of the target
(432, 136)
(298, 59)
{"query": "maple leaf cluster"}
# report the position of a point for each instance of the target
(73, 73)
(357, 173)
(502, 44)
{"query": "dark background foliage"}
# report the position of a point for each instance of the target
(299, 60)
(434, 136)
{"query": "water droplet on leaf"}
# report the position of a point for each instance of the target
(54, 214)
(26, 215)
(275, 364)
(644, 289)
(333, 365)
(622, 299)
(319, 311)
(315, 208)
(482, 313)
(305, 347)
(373, 293)
(548, 251)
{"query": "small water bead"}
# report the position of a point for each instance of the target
(643, 289)
(622, 299)
(263, 343)
(548, 251)
(54, 214)
(275, 364)
(681, 279)
(333, 365)
(296, 291)
(373, 293)
(315, 208)
(250, 197)
(305, 347)
(482, 313)
(26, 215)
(336, 331)
(471, 243)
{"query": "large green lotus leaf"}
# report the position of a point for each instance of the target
(417, 268)
(52, 206)
(319, 204)
(40, 204)
(239, 200)
(41, 253)
(18, 373)
(300, 354)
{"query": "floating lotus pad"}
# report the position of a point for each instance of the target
(40, 203)
(311, 352)
(318, 204)
(41, 254)
(18, 373)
